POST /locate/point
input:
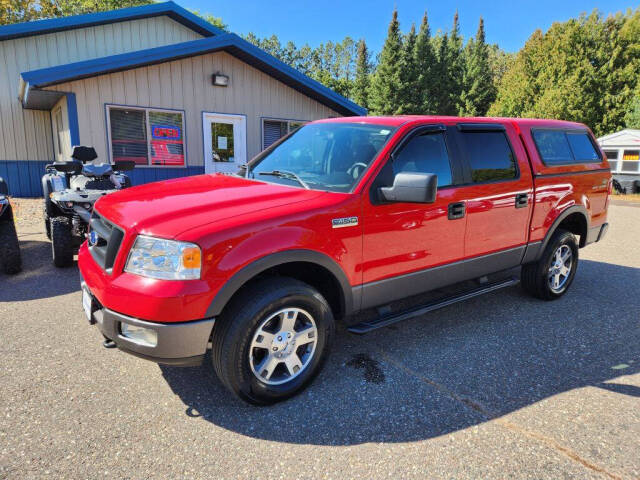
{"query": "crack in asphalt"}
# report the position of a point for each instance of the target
(489, 415)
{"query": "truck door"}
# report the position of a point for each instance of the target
(402, 241)
(498, 191)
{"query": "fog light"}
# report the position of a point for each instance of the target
(139, 335)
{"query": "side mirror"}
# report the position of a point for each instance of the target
(412, 188)
(4, 189)
(124, 165)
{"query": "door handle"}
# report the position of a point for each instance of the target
(522, 200)
(456, 210)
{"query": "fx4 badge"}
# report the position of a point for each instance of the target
(344, 222)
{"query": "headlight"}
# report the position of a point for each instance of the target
(164, 259)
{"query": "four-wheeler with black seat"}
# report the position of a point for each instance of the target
(70, 190)
(10, 259)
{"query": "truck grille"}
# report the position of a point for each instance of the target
(107, 243)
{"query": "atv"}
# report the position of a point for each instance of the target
(70, 190)
(10, 259)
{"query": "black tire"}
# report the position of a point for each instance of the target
(50, 209)
(535, 276)
(236, 327)
(62, 246)
(47, 222)
(10, 259)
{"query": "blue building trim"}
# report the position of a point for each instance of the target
(51, 25)
(72, 111)
(228, 42)
(24, 176)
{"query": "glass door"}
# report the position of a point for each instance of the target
(224, 142)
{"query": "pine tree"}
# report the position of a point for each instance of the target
(441, 88)
(426, 68)
(478, 89)
(363, 70)
(408, 90)
(384, 85)
(455, 66)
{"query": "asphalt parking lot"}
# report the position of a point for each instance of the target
(500, 386)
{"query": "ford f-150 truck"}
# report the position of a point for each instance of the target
(365, 221)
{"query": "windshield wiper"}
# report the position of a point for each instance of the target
(286, 174)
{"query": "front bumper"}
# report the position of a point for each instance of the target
(180, 344)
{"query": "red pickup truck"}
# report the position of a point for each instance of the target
(366, 221)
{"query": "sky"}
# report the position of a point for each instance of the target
(507, 23)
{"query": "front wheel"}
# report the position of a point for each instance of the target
(272, 340)
(551, 276)
(10, 259)
(61, 242)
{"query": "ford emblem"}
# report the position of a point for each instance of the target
(93, 238)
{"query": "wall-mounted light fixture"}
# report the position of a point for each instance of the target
(219, 80)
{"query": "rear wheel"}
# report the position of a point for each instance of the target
(61, 242)
(10, 259)
(551, 276)
(272, 340)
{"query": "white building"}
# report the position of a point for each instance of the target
(155, 84)
(623, 152)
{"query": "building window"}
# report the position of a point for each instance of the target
(274, 130)
(630, 161)
(146, 136)
(612, 156)
(490, 156)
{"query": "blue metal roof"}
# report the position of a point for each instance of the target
(170, 9)
(227, 42)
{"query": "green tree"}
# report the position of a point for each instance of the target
(384, 85)
(632, 117)
(426, 67)
(16, 11)
(409, 99)
(478, 88)
(360, 93)
(216, 21)
(584, 69)
(455, 66)
(441, 97)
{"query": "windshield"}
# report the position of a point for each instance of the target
(321, 156)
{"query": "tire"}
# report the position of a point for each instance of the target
(10, 259)
(536, 277)
(240, 325)
(50, 209)
(61, 242)
(47, 222)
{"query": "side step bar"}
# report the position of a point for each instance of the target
(386, 320)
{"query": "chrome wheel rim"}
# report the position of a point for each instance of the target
(560, 268)
(283, 346)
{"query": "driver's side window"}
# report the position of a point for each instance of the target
(426, 153)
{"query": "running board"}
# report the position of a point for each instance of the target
(386, 320)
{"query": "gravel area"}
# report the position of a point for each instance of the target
(501, 386)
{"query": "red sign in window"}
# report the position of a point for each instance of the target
(165, 131)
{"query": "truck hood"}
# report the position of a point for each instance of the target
(168, 208)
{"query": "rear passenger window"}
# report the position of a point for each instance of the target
(583, 149)
(560, 147)
(490, 156)
(553, 146)
(425, 153)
